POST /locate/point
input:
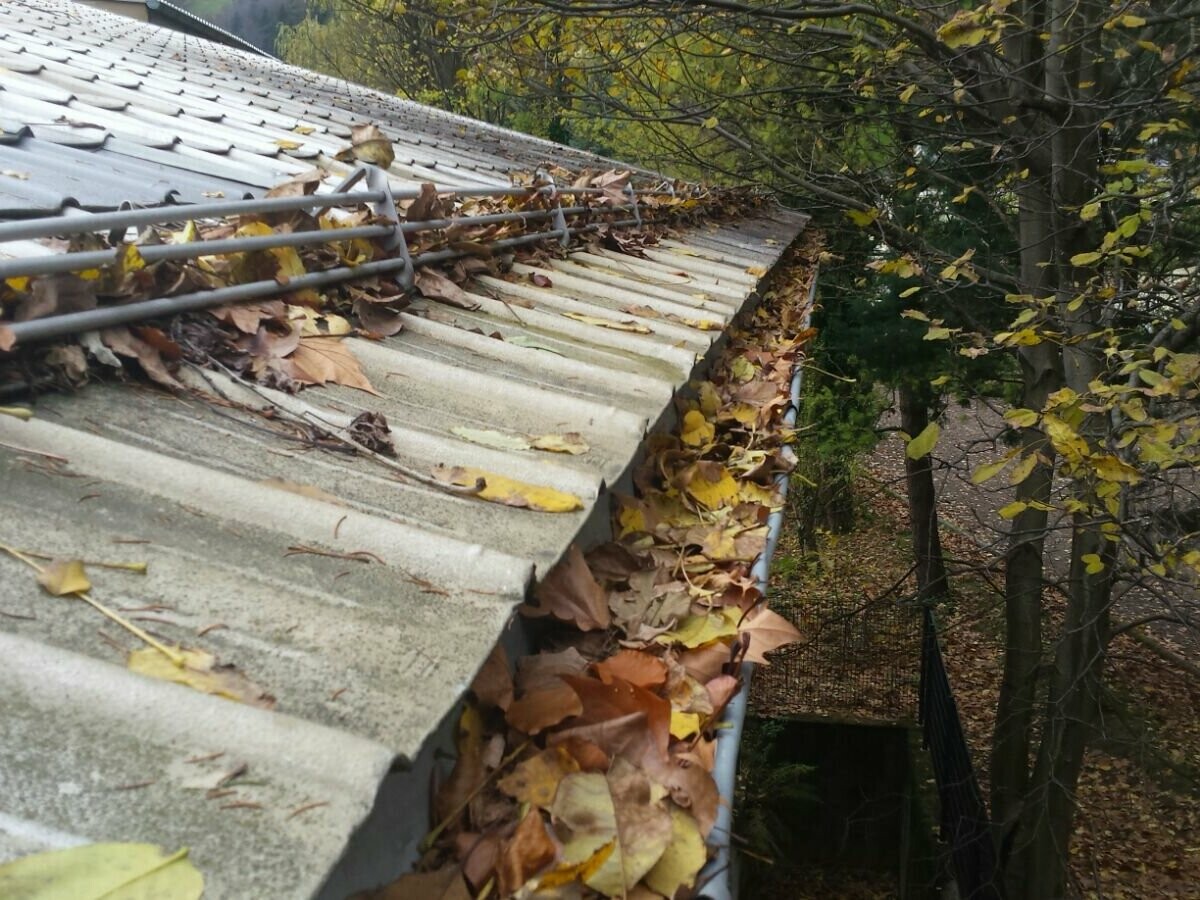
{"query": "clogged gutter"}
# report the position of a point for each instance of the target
(590, 772)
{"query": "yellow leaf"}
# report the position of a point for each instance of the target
(18, 282)
(622, 325)
(17, 412)
(580, 871)
(131, 259)
(285, 144)
(536, 779)
(922, 445)
(620, 807)
(908, 292)
(200, 671)
(713, 493)
(697, 431)
(1012, 510)
(64, 576)
(1110, 468)
(710, 400)
(1093, 564)
(499, 489)
(863, 219)
(303, 129)
(684, 724)
(695, 631)
(711, 122)
(682, 860)
(1023, 469)
(742, 369)
(1090, 211)
(937, 333)
(907, 93)
(572, 442)
(1021, 418)
(964, 30)
(988, 470)
(1129, 20)
(102, 872)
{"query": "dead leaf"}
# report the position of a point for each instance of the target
(540, 280)
(526, 853)
(123, 342)
(61, 577)
(201, 672)
(497, 440)
(501, 489)
(623, 808)
(641, 669)
(683, 859)
(437, 286)
(617, 699)
(493, 683)
(444, 884)
(370, 145)
(320, 360)
(615, 324)
(426, 206)
(572, 442)
(768, 631)
(537, 710)
(535, 780)
(468, 772)
(570, 593)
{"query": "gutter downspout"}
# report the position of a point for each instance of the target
(719, 876)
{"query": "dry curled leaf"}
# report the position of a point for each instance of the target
(569, 592)
(320, 360)
(61, 577)
(501, 489)
(202, 672)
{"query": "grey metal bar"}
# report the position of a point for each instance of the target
(152, 253)
(135, 218)
(36, 330)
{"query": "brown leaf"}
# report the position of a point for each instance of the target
(478, 854)
(768, 631)
(437, 286)
(602, 702)
(8, 340)
(691, 786)
(123, 342)
(526, 853)
(319, 360)
(537, 710)
(444, 884)
(542, 669)
(493, 683)
(540, 280)
(641, 669)
(378, 319)
(468, 772)
(246, 317)
(721, 690)
(299, 186)
(570, 593)
(426, 206)
(615, 562)
(369, 144)
(56, 295)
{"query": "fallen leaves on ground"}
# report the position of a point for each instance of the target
(598, 780)
(102, 872)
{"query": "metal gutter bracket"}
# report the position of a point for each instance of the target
(377, 180)
(633, 197)
(560, 220)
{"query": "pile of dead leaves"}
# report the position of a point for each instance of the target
(588, 772)
(297, 340)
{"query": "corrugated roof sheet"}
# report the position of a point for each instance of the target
(365, 659)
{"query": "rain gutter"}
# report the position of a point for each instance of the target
(719, 877)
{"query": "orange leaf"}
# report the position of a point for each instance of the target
(319, 360)
(526, 853)
(569, 592)
(635, 666)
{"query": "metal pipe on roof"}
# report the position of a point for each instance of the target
(719, 875)
(36, 330)
(50, 226)
(152, 253)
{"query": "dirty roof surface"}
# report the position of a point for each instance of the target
(365, 658)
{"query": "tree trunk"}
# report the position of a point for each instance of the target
(922, 497)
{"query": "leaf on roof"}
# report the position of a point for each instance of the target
(370, 145)
(497, 440)
(320, 360)
(615, 324)
(437, 286)
(103, 872)
(509, 491)
(202, 672)
(61, 577)
(572, 442)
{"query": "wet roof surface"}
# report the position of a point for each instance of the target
(365, 659)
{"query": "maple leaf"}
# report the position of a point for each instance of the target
(768, 631)
(320, 360)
